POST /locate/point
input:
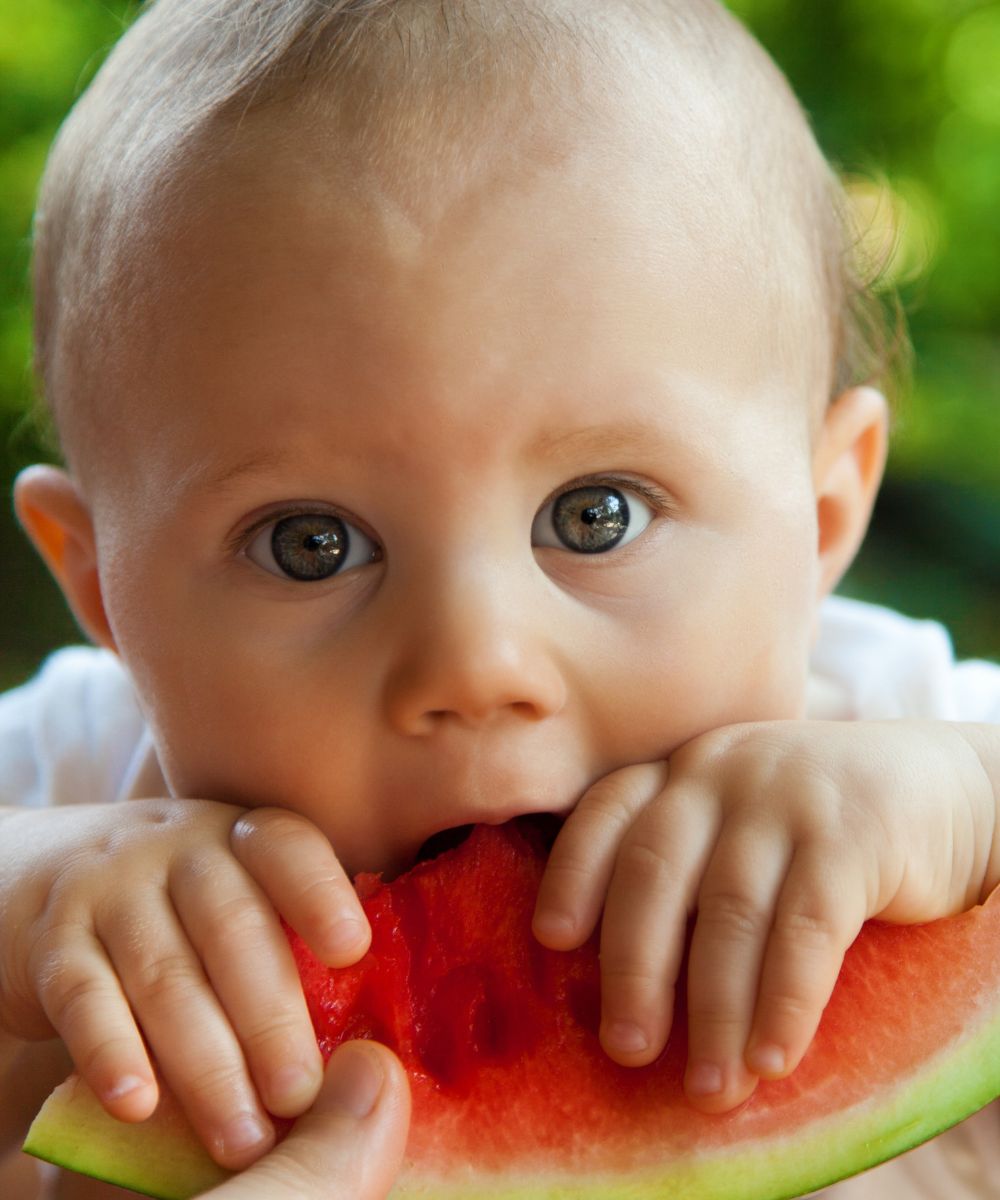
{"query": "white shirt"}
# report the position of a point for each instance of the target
(75, 733)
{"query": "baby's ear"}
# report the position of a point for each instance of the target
(55, 516)
(848, 462)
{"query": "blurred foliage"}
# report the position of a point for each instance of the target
(906, 95)
(49, 50)
(905, 98)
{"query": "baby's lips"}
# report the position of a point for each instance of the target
(538, 825)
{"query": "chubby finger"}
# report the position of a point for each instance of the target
(736, 903)
(82, 998)
(815, 921)
(349, 1146)
(645, 922)
(245, 954)
(187, 1030)
(296, 866)
(582, 860)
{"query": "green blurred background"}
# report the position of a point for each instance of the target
(905, 92)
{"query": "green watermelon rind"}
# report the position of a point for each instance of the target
(163, 1159)
(945, 1090)
(160, 1157)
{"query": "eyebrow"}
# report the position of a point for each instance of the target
(203, 478)
(611, 438)
(593, 441)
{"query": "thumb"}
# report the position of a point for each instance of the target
(348, 1146)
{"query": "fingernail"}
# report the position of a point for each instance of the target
(766, 1059)
(626, 1037)
(703, 1079)
(554, 927)
(357, 1080)
(293, 1084)
(126, 1085)
(346, 937)
(243, 1133)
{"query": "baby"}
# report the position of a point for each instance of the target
(467, 412)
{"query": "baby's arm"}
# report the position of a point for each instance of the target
(783, 837)
(159, 917)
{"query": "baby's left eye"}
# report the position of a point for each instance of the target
(591, 519)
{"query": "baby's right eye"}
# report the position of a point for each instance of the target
(311, 546)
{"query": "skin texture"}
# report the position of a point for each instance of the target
(436, 375)
(350, 1144)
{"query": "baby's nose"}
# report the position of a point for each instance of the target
(474, 653)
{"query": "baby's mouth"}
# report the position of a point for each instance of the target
(544, 826)
(444, 839)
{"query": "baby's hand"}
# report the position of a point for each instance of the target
(784, 838)
(153, 923)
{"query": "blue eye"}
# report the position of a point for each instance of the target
(311, 546)
(591, 519)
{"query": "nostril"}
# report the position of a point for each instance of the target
(478, 716)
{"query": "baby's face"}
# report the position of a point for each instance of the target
(433, 516)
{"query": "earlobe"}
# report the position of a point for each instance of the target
(55, 516)
(848, 463)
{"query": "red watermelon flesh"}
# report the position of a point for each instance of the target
(513, 1096)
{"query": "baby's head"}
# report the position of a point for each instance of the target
(457, 397)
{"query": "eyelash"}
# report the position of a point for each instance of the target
(658, 500)
(244, 537)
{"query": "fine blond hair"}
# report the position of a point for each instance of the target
(186, 67)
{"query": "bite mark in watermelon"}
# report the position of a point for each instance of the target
(513, 1096)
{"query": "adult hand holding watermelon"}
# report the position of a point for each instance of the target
(349, 1145)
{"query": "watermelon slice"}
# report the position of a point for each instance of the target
(513, 1097)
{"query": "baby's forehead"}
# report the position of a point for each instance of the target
(665, 108)
(529, 309)
(635, 124)
(670, 106)
(555, 276)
